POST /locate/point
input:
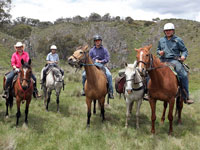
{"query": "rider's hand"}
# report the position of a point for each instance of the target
(17, 70)
(161, 53)
(98, 61)
(182, 58)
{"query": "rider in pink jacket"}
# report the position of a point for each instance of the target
(16, 64)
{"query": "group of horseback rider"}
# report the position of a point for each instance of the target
(170, 48)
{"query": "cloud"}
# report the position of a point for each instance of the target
(50, 10)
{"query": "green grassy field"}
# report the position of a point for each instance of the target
(67, 129)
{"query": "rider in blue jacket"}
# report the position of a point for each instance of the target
(171, 49)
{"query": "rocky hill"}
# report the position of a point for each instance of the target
(119, 37)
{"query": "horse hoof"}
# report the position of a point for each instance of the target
(162, 122)
(7, 116)
(88, 126)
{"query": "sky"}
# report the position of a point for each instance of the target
(50, 10)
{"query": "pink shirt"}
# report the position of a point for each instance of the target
(16, 58)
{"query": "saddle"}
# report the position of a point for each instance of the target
(120, 82)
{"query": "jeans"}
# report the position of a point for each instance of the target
(108, 75)
(182, 75)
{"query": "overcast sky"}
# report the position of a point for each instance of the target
(50, 10)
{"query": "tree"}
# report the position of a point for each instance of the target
(94, 17)
(5, 6)
(20, 31)
(65, 43)
(129, 20)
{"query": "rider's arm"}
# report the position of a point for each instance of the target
(106, 57)
(183, 49)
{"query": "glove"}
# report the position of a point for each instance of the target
(17, 70)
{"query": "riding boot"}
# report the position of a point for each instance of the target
(110, 95)
(83, 92)
(35, 91)
(189, 101)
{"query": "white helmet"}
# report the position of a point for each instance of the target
(169, 26)
(53, 47)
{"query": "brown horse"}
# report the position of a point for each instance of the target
(163, 85)
(96, 82)
(23, 90)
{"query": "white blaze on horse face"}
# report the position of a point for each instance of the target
(141, 53)
(25, 69)
(129, 78)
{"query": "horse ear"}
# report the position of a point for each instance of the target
(135, 63)
(85, 48)
(150, 46)
(29, 61)
(137, 50)
(78, 47)
(22, 61)
(125, 64)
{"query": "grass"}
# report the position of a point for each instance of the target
(67, 129)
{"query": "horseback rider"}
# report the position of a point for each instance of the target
(16, 64)
(100, 57)
(52, 61)
(171, 49)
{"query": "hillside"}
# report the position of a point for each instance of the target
(67, 129)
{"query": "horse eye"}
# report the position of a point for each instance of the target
(81, 52)
(147, 55)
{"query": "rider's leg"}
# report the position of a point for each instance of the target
(9, 79)
(35, 91)
(183, 75)
(83, 82)
(110, 87)
(44, 74)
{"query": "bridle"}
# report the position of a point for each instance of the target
(82, 61)
(133, 79)
(150, 63)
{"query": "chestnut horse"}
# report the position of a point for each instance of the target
(96, 82)
(23, 90)
(163, 85)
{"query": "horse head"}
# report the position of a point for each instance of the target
(57, 75)
(131, 78)
(143, 59)
(25, 74)
(79, 57)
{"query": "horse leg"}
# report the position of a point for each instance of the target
(102, 100)
(7, 104)
(94, 109)
(164, 110)
(179, 111)
(18, 114)
(26, 111)
(128, 112)
(170, 115)
(153, 114)
(88, 102)
(48, 100)
(131, 106)
(57, 101)
(139, 102)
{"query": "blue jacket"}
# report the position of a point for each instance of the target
(100, 54)
(172, 48)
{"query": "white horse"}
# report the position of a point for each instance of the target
(54, 81)
(134, 91)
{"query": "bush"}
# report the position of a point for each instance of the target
(20, 31)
